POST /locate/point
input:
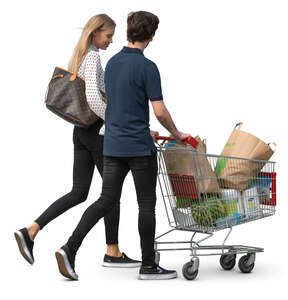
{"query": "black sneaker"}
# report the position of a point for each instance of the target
(155, 273)
(66, 262)
(25, 244)
(120, 262)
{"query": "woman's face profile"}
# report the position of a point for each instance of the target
(103, 38)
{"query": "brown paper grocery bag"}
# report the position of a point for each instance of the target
(190, 162)
(237, 173)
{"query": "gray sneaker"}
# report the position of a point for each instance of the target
(66, 262)
(25, 244)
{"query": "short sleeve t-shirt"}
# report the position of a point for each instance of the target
(131, 80)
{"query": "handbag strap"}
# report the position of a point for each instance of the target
(73, 76)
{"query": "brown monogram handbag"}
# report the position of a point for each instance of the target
(66, 97)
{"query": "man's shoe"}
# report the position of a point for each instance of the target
(25, 244)
(120, 262)
(66, 262)
(156, 273)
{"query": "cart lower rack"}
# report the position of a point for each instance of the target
(200, 198)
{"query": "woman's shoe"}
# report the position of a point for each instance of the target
(25, 244)
(120, 262)
(66, 262)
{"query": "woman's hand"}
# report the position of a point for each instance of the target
(103, 94)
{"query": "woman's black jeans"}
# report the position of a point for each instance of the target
(88, 152)
(144, 171)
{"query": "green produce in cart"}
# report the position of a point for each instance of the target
(205, 213)
(183, 202)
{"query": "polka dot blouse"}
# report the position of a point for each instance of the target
(92, 72)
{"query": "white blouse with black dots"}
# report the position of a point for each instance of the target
(92, 72)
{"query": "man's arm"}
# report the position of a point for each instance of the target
(164, 117)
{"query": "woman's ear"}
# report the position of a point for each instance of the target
(95, 33)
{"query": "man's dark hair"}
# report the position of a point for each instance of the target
(141, 26)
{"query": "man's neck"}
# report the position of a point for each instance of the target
(138, 45)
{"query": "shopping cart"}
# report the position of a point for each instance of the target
(190, 207)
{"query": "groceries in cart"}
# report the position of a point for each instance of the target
(184, 166)
(204, 193)
(231, 200)
(262, 184)
(255, 153)
(213, 191)
(206, 213)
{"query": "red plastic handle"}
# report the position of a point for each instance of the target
(190, 140)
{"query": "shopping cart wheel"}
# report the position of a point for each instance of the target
(244, 265)
(228, 261)
(188, 271)
(157, 258)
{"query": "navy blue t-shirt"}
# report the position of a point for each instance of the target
(130, 81)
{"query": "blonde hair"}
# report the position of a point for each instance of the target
(98, 22)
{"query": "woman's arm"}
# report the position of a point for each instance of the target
(92, 76)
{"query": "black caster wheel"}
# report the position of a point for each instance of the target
(187, 271)
(157, 258)
(228, 261)
(243, 264)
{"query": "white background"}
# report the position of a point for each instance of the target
(221, 62)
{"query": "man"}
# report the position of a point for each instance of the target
(131, 80)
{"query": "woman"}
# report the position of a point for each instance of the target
(88, 146)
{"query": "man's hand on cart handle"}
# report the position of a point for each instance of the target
(189, 140)
(154, 134)
(181, 137)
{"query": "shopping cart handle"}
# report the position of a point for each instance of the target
(190, 140)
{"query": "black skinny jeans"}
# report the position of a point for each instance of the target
(144, 171)
(88, 152)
